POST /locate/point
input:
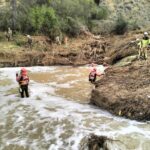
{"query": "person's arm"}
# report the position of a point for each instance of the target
(107, 67)
(28, 80)
(17, 77)
(99, 74)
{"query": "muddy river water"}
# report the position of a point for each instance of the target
(57, 115)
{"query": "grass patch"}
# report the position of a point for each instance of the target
(8, 46)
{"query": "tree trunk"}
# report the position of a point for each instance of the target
(14, 13)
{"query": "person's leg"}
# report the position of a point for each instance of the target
(8, 38)
(145, 52)
(139, 56)
(22, 92)
(94, 78)
(26, 91)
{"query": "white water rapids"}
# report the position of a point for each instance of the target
(57, 115)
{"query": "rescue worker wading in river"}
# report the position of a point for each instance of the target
(23, 81)
(93, 73)
(97, 70)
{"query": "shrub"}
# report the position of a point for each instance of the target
(5, 18)
(99, 13)
(101, 27)
(73, 27)
(43, 19)
(73, 14)
(121, 26)
(133, 25)
(52, 17)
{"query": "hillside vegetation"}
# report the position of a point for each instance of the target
(57, 17)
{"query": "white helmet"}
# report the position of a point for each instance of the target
(28, 36)
(145, 33)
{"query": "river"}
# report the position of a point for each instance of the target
(57, 115)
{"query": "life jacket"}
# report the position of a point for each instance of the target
(144, 43)
(23, 80)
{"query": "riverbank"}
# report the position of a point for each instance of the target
(124, 91)
(43, 53)
(77, 51)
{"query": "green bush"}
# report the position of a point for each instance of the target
(36, 17)
(121, 26)
(52, 17)
(99, 13)
(43, 19)
(101, 27)
(5, 19)
(73, 27)
(73, 14)
(133, 25)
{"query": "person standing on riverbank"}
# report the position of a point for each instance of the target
(8, 34)
(143, 46)
(29, 41)
(23, 81)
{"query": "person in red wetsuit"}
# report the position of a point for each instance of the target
(92, 75)
(23, 81)
(97, 70)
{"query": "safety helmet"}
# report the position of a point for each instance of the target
(23, 71)
(28, 36)
(145, 33)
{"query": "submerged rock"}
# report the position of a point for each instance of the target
(125, 92)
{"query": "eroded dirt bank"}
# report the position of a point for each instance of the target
(36, 59)
(124, 91)
(79, 51)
